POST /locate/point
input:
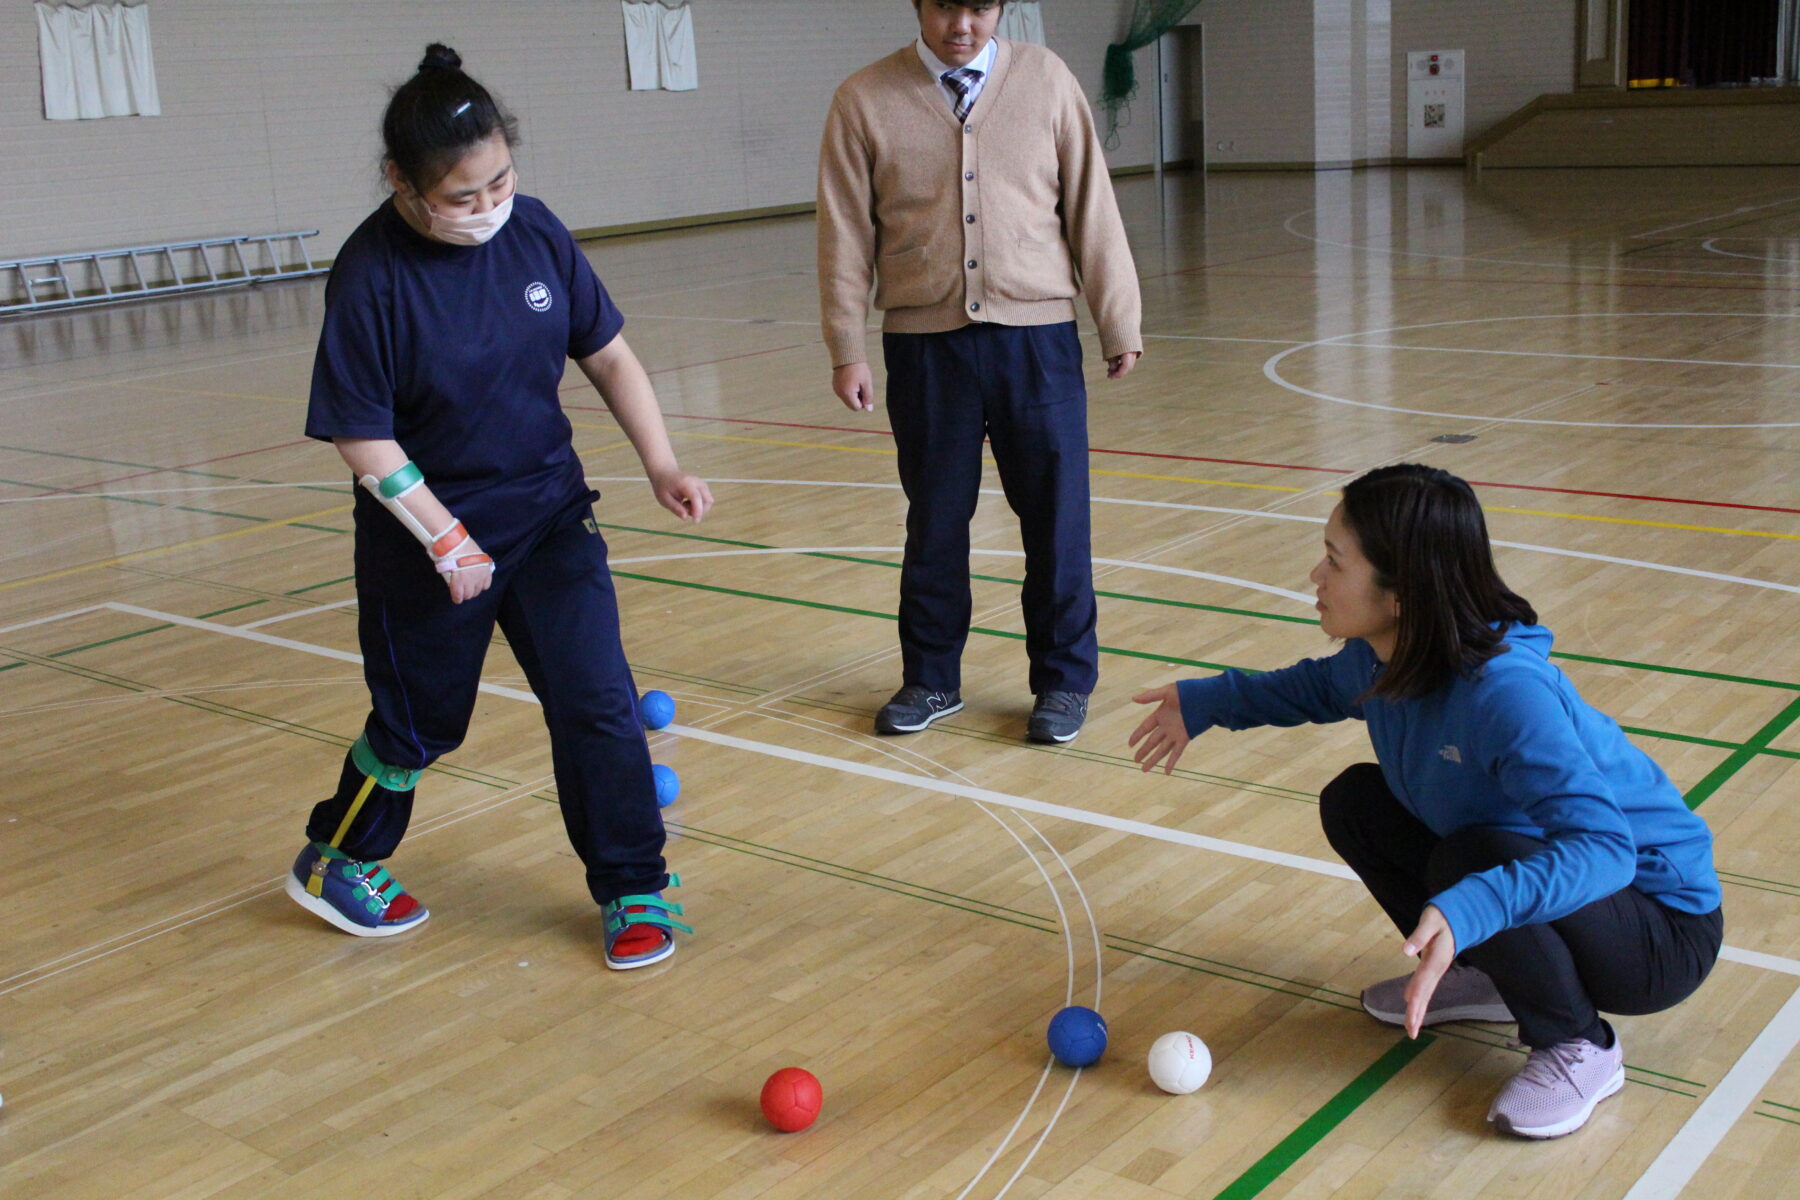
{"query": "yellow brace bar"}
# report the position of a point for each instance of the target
(315, 883)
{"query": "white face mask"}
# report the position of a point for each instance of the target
(470, 230)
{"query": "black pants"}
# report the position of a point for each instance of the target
(422, 655)
(1624, 953)
(1019, 387)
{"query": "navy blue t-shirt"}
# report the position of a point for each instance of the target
(456, 352)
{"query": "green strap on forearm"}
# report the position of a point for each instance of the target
(394, 779)
(405, 477)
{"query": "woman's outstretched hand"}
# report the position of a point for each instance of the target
(1162, 736)
(1434, 946)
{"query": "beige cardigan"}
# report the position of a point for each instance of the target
(1005, 219)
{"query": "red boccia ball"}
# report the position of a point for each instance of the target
(791, 1099)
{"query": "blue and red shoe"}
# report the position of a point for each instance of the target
(640, 930)
(358, 897)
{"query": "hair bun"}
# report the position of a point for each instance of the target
(439, 57)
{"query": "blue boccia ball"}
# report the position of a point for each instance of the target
(668, 786)
(1077, 1036)
(657, 708)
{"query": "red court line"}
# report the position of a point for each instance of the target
(179, 467)
(1245, 462)
(1562, 283)
(690, 366)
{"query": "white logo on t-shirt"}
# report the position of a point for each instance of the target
(1451, 754)
(538, 296)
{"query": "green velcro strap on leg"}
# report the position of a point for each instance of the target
(394, 779)
(402, 479)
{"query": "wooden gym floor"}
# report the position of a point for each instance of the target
(1615, 355)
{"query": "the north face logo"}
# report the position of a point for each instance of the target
(1451, 754)
(538, 296)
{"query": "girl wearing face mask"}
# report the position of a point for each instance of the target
(1539, 865)
(449, 315)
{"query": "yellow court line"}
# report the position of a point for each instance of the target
(135, 556)
(151, 387)
(1534, 512)
(1261, 487)
(1270, 487)
(726, 437)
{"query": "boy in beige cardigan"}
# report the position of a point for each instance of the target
(961, 177)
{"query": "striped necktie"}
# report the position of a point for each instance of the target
(962, 81)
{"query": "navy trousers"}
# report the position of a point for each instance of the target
(1020, 388)
(553, 598)
(1624, 953)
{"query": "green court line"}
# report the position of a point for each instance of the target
(313, 587)
(1773, 1117)
(1638, 666)
(1215, 608)
(1774, 1104)
(44, 487)
(219, 612)
(1300, 992)
(1736, 760)
(114, 462)
(879, 886)
(1118, 651)
(1215, 962)
(1690, 738)
(1313, 1130)
(857, 871)
(726, 842)
(1757, 879)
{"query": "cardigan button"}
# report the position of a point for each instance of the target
(975, 306)
(968, 174)
(970, 218)
(968, 129)
(971, 264)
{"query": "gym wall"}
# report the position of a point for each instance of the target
(271, 112)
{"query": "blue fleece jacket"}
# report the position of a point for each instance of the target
(1512, 748)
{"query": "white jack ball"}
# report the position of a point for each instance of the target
(1179, 1063)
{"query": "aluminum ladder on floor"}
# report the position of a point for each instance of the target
(30, 285)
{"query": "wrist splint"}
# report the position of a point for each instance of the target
(443, 546)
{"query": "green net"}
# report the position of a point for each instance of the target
(1150, 19)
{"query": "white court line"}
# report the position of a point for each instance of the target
(1079, 816)
(1716, 217)
(1272, 373)
(335, 484)
(1710, 248)
(1688, 362)
(1288, 226)
(1251, 584)
(1664, 1178)
(304, 612)
(1269, 515)
(1691, 1146)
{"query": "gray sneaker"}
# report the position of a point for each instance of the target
(914, 707)
(1057, 717)
(1556, 1090)
(1463, 994)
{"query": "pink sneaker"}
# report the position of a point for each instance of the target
(1463, 994)
(1556, 1090)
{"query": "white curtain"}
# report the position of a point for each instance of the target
(659, 45)
(675, 48)
(1023, 21)
(96, 61)
(642, 29)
